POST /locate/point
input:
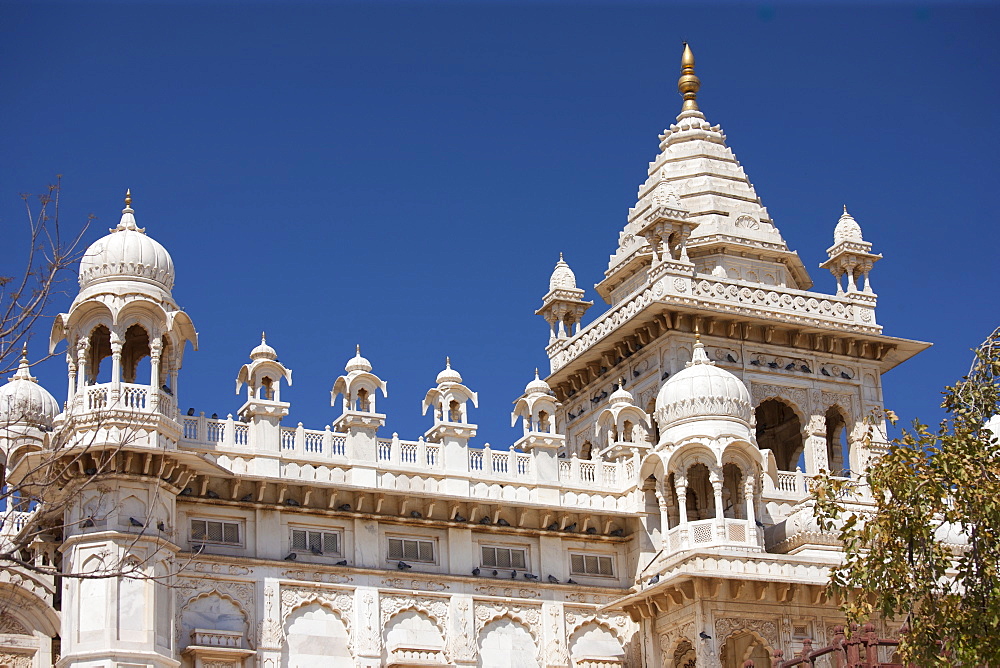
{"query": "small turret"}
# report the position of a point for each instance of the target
(850, 256)
(563, 306)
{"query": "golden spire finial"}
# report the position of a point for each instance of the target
(128, 197)
(357, 348)
(688, 84)
(447, 361)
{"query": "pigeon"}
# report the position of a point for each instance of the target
(553, 527)
(315, 550)
(755, 362)
(773, 365)
(90, 471)
(292, 502)
(402, 565)
(824, 371)
(187, 491)
(730, 358)
(87, 523)
(212, 495)
(665, 375)
(805, 369)
(199, 548)
(704, 636)
(136, 523)
(291, 556)
(571, 527)
(617, 533)
(789, 366)
(653, 580)
(416, 514)
(190, 411)
(495, 572)
(530, 576)
(513, 574)
(571, 581)
(342, 562)
(759, 523)
(160, 526)
(346, 507)
(459, 518)
(503, 523)
(486, 520)
(845, 375)
(476, 571)
(562, 455)
(247, 497)
(553, 579)
(591, 530)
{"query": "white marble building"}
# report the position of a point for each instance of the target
(654, 512)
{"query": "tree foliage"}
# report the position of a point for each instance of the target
(922, 541)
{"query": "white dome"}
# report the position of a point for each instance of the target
(358, 363)
(24, 401)
(847, 229)
(537, 386)
(263, 351)
(562, 277)
(127, 253)
(702, 390)
(448, 375)
(621, 395)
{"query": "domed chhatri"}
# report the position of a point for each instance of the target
(537, 386)
(702, 391)
(562, 277)
(24, 402)
(127, 253)
(358, 363)
(263, 351)
(847, 229)
(448, 375)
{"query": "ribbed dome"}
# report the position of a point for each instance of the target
(448, 375)
(127, 253)
(847, 229)
(358, 363)
(620, 396)
(263, 351)
(537, 386)
(702, 390)
(23, 401)
(562, 277)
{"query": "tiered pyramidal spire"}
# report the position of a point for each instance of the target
(733, 237)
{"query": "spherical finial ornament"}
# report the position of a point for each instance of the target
(688, 84)
(128, 197)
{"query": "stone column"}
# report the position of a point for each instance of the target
(71, 390)
(554, 635)
(367, 628)
(748, 495)
(116, 367)
(815, 448)
(82, 348)
(680, 485)
(155, 350)
(715, 477)
(462, 631)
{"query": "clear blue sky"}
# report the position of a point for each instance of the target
(405, 175)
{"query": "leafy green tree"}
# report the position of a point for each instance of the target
(923, 543)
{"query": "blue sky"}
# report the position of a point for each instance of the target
(404, 176)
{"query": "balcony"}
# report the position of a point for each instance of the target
(726, 532)
(124, 398)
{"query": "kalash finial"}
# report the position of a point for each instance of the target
(688, 84)
(128, 198)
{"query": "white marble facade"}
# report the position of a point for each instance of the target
(654, 512)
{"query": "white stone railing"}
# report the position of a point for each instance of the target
(129, 397)
(208, 638)
(417, 453)
(12, 521)
(508, 463)
(773, 302)
(410, 656)
(712, 532)
(597, 473)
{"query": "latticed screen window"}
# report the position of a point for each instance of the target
(591, 564)
(503, 557)
(411, 550)
(327, 542)
(211, 531)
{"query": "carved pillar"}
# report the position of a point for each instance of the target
(116, 366)
(749, 483)
(367, 627)
(680, 485)
(155, 350)
(71, 390)
(461, 631)
(815, 445)
(554, 635)
(715, 477)
(271, 631)
(82, 348)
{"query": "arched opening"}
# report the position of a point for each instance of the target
(684, 656)
(627, 431)
(135, 349)
(454, 411)
(838, 451)
(363, 401)
(504, 643)
(410, 631)
(315, 637)
(673, 512)
(593, 644)
(742, 647)
(733, 501)
(266, 390)
(780, 431)
(543, 422)
(166, 358)
(654, 436)
(700, 495)
(100, 347)
(586, 450)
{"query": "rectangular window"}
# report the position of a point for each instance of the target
(504, 557)
(214, 531)
(405, 549)
(317, 542)
(592, 564)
